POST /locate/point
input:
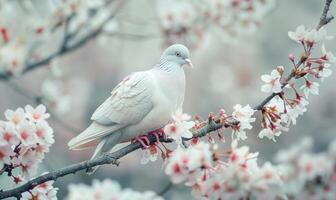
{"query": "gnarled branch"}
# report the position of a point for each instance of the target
(65, 46)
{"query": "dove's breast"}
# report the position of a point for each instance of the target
(168, 96)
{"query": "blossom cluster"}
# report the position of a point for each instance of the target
(106, 190)
(36, 25)
(215, 175)
(292, 100)
(43, 191)
(25, 137)
(189, 21)
(308, 175)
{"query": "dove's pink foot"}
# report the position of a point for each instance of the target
(157, 133)
(143, 140)
(157, 136)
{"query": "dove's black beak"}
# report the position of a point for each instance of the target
(188, 62)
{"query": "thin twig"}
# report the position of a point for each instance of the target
(324, 20)
(64, 48)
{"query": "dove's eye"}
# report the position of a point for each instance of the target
(178, 54)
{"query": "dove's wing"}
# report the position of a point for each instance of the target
(129, 103)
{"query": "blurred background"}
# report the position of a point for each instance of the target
(227, 69)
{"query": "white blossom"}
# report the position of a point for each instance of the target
(272, 82)
(43, 191)
(179, 128)
(310, 88)
(107, 190)
(25, 137)
(244, 116)
(149, 154)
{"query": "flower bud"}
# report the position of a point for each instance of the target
(291, 57)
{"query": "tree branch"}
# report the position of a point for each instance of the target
(113, 158)
(64, 48)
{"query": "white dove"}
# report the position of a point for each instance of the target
(143, 102)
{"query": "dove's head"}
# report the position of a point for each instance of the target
(178, 54)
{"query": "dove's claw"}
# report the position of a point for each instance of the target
(145, 138)
(144, 146)
(157, 136)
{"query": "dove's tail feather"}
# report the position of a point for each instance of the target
(91, 136)
(105, 146)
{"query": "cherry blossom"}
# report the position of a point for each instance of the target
(307, 174)
(25, 138)
(26, 134)
(8, 134)
(269, 133)
(44, 191)
(44, 133)
(5, 155)
(189, 21)
(150, 154)
(310, 88)
(106, 190)
(235, 176)
(272, 82)
(37, 114)
(299, 34)
(244, 116)
(16, 117)
(185, 165)
(180, 128)
(310, 37)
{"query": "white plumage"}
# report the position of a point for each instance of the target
(142, 102)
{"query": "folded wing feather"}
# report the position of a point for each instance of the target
(129, 103)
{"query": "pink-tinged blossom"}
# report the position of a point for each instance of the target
(44, 191)
(36, 114)
(269, 133)
(310, 87)
(309, 37)
(327, 55)
(296, 109)
(275, 119)
(187, 165)
(239, 155)
(107, 190)
(179, 128)
(8, 134)
(26, 137)
(5, 155)
(298, 35)
(311, 166)
(150, 154)
(238, 176)
(272, 81)
(44, 133)
(325, 71)
(12, 58)
(26, 134)
(304, 171)
(244, 116)
(16, 117)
